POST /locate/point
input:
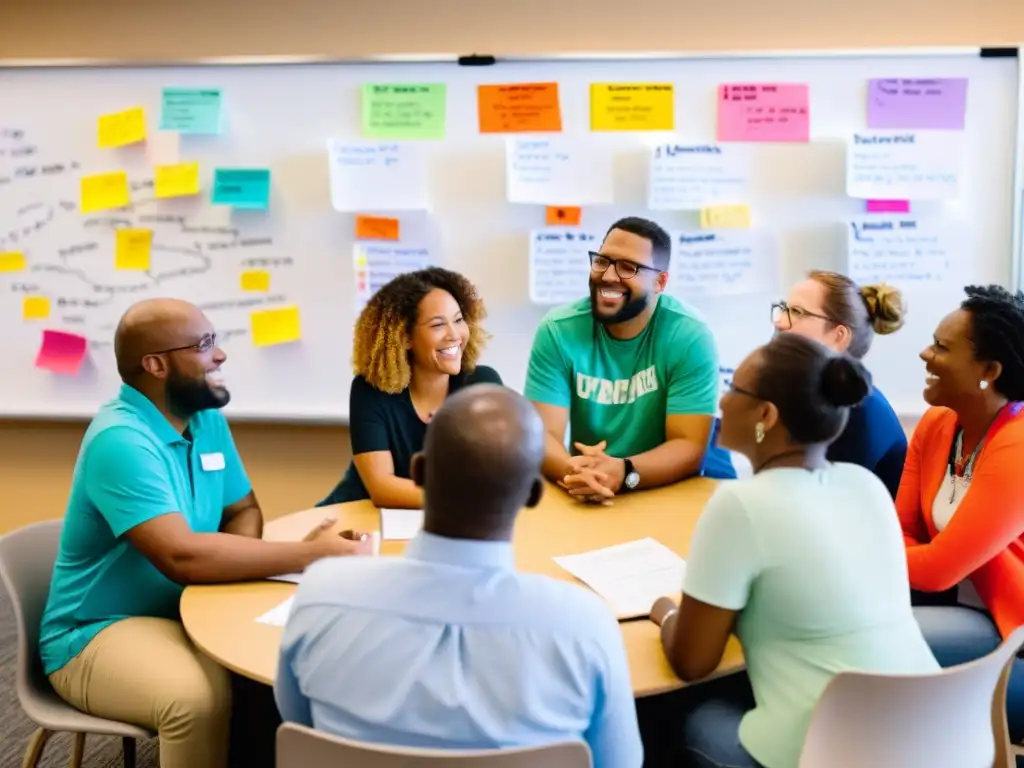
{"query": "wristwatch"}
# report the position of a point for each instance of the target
(632, 478)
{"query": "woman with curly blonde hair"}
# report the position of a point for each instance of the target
(416, 341)
(831, 308)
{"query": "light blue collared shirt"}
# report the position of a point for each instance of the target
(450, 647)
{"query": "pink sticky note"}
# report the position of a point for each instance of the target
(888, 206)
(62, 352)
(764, 112)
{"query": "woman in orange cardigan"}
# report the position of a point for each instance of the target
(961, 498)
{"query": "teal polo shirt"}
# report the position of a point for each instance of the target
(132, 466)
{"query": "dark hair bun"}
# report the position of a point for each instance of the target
(844, 381)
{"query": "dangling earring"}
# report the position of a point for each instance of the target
(983, 384)
(759, 432)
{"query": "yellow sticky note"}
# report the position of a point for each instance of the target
(275, 326)
(121, 128)
(256, 280)
(177, 180)
(632, 107)
(104, 191)
(134, 247)
(725, 217)
(35, 307)
(12, 261)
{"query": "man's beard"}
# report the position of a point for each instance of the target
(631, 307)
(186, 396)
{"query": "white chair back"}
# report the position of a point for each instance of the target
(302, 747)
(948, 719)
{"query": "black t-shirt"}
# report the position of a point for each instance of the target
(382, 422)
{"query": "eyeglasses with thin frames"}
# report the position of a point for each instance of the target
(205, 344)
(744, 392)
(624, 268)
(781, 308)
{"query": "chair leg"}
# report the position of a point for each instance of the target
(77, 750)
(35, 748)
(128, 744)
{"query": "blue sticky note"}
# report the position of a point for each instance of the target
(191, 110)
(242, 187)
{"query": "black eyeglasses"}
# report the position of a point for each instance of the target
(205, 344)
(781, 309)
(624, 268)
(744, 392)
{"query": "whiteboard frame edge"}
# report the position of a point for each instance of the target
(1017, 257)
(453, 58)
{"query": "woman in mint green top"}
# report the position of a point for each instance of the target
(804, 562)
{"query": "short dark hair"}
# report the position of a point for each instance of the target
(997, 317)
(661, 243)
(811, 386)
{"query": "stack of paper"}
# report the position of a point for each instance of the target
(400, 524)
(630, 576)
(278, 615)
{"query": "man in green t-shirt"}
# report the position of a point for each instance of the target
(633, 372)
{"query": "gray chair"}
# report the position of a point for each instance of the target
(302, 747)
(26, 567)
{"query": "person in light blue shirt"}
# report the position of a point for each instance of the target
(449, 646)
(804, 561)
(159, 499)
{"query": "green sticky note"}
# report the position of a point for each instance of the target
(191, 110)
(242, 187)
(404, 111)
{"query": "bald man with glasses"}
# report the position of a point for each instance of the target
(630, 372)
(159, 500)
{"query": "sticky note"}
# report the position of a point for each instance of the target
(133, 250)
(725, 217)
(191, 110)
(62, 352)
(565, 216)
(519, 107)
(888, 206)
(632, 107)
(122, 128)
(163, 148)
(936, 104)
(255, 280)
(275, 326)
(12, 261)
(177, 180)
(404, 111)
(376, 228)
(242, 187)
(35, 307)
(764, 112)
(104, 191)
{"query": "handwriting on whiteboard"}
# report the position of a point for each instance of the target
(560, 264)
(558, 171)
(376, 264)
(901, 250)
(691, 176)
(903, 165)
(723, 263)
(377, 176)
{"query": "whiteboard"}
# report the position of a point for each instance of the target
(280, 116)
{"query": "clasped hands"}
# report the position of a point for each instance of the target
(594, 476)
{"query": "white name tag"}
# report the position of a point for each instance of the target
(212, 462)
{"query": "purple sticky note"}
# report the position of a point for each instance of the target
(897, 103)
(888, 206)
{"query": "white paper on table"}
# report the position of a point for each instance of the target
(278, 615)
(558, 170)
(377, 175)
(289, 578)
(400, 524)
(631, 576)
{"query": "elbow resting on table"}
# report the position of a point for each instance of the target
(693, 670)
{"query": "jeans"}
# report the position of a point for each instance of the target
(960, 634)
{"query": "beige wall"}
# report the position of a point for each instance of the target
(293, 466)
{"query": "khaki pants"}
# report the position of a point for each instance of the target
(145, 671)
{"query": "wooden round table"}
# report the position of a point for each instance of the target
(221, 619)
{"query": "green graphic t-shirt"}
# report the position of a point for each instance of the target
(621, 391)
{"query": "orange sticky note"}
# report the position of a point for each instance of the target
(376, 228)
(519, 107)
(564, 216)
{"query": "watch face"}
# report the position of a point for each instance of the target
(632, 479)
